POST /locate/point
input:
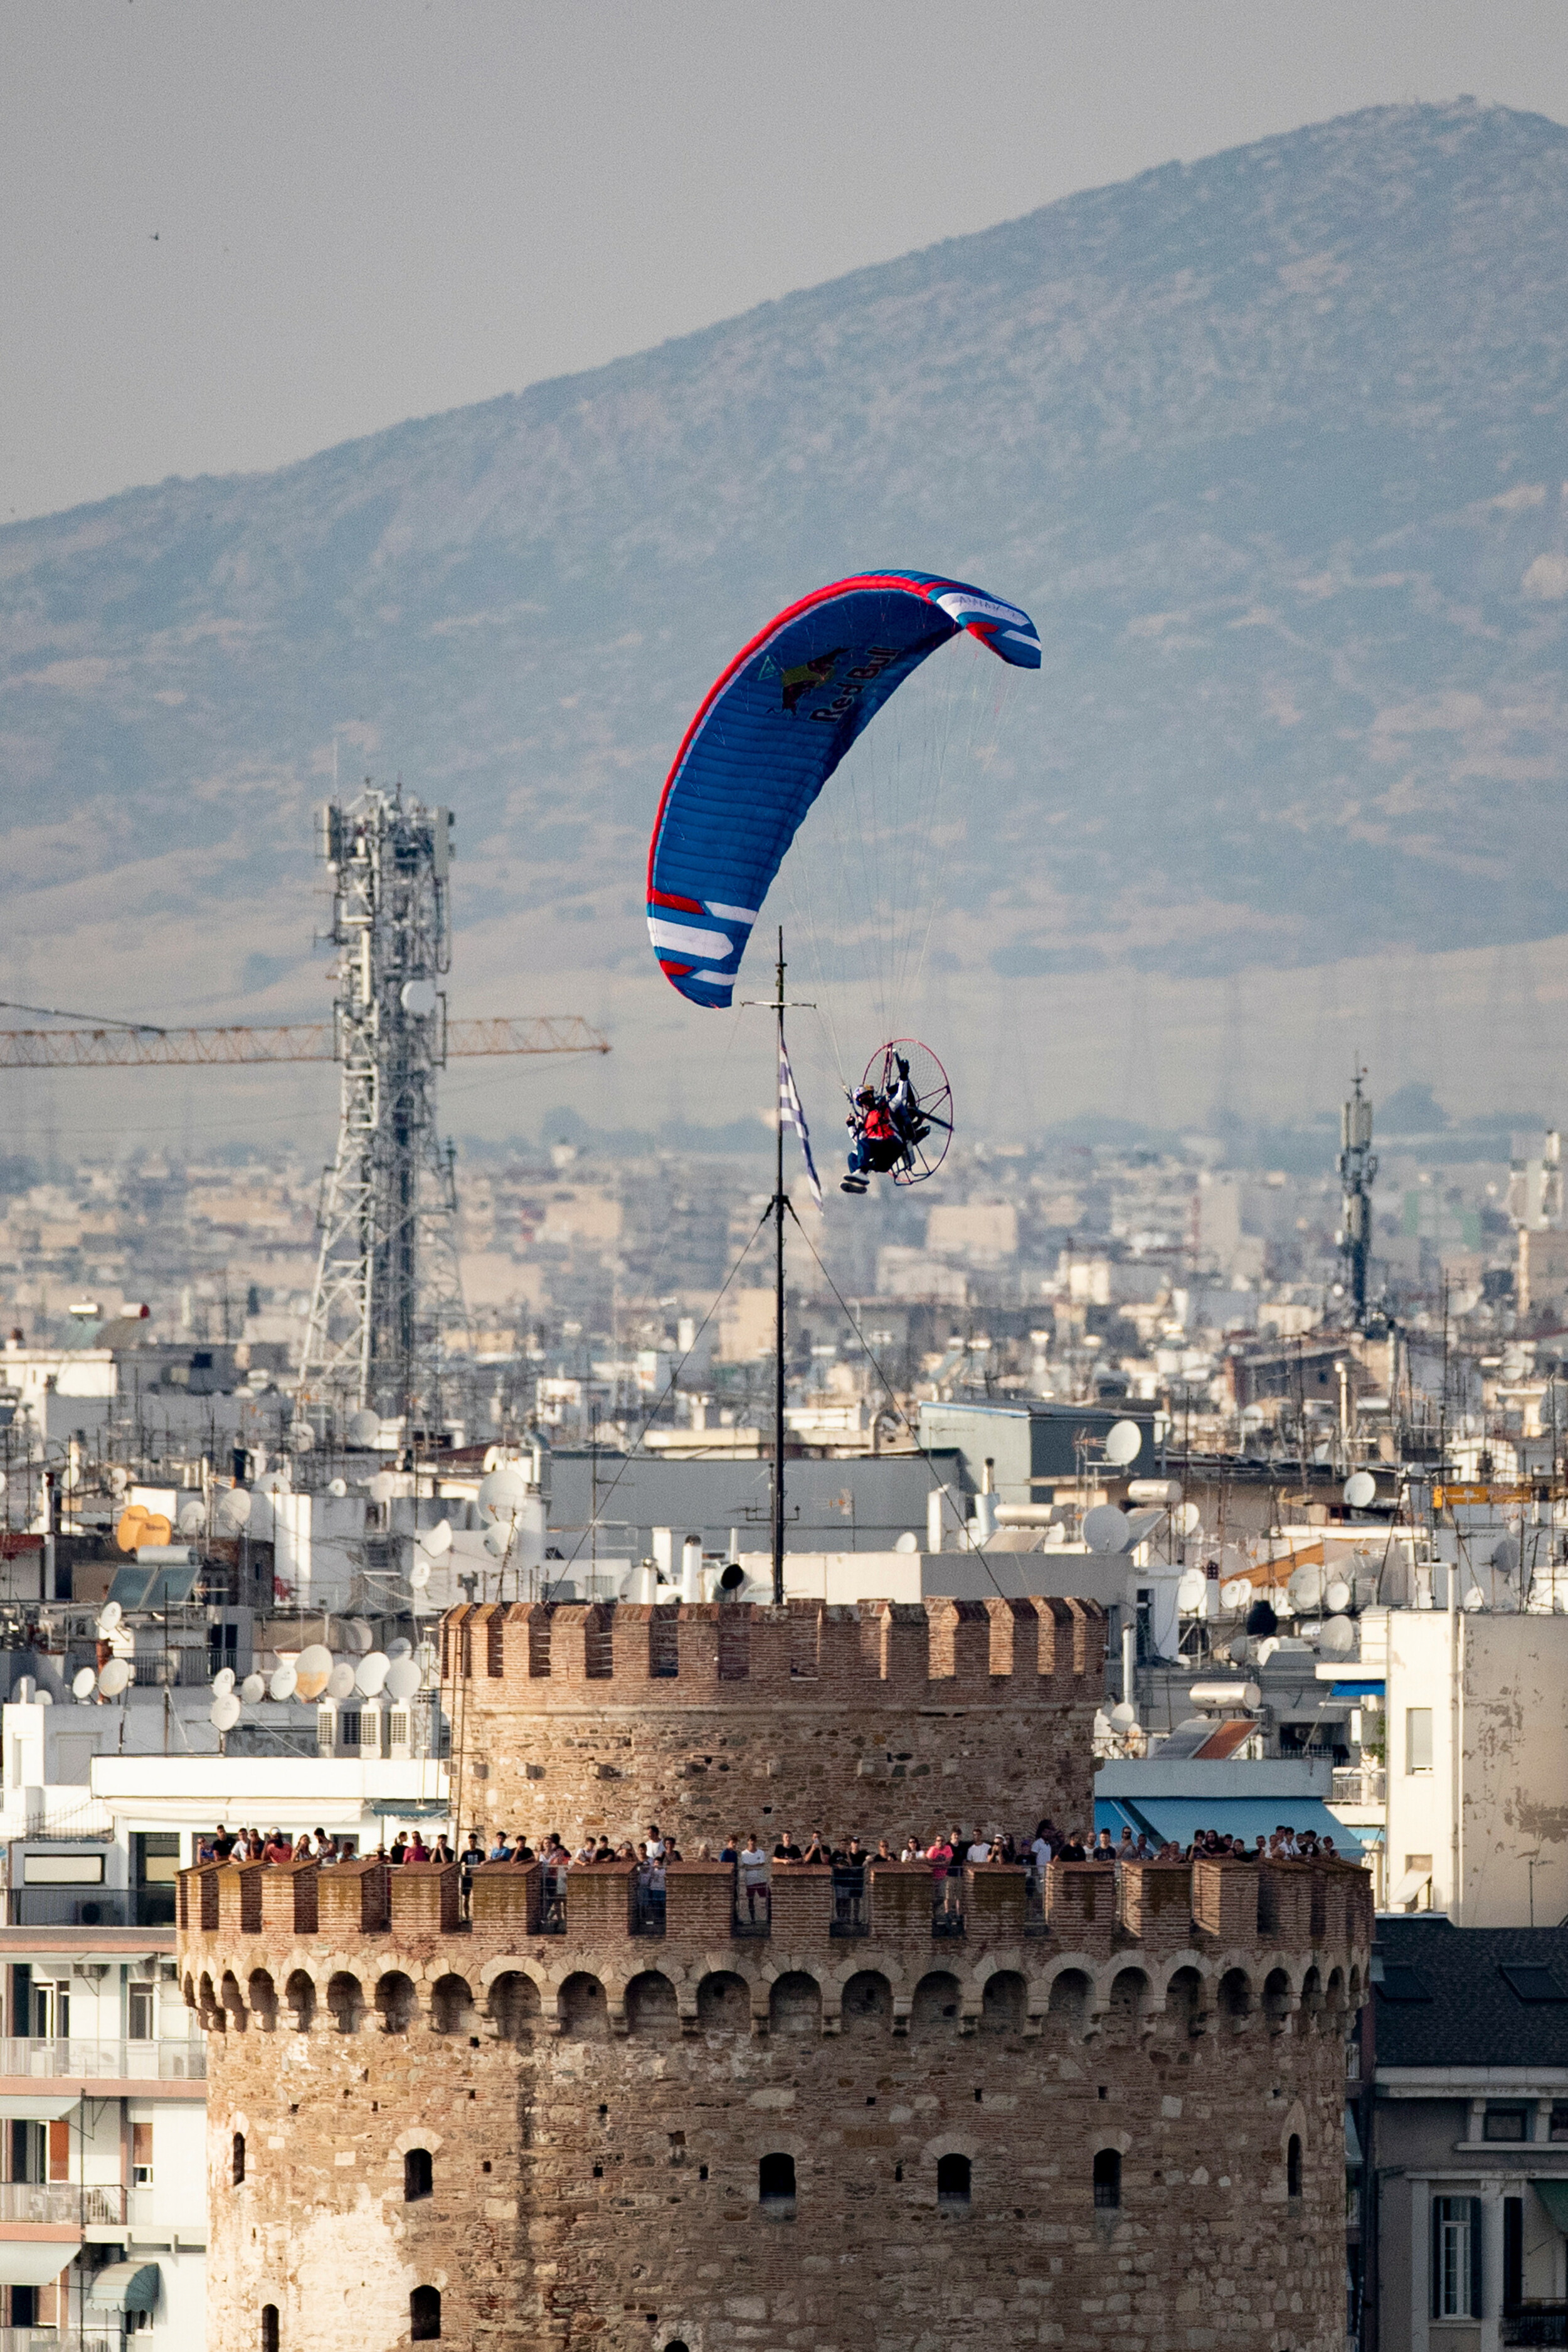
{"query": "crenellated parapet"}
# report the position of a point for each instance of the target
(1234, 1947)
(551, 1654)
(729, 1716)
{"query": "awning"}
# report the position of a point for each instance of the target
(1365, 1686)
(1553, 2195)
(124, 2286)
(38, 2106)
(1408, 1889)
(1247, 1817)
(34, 2261)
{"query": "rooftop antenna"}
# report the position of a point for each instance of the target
(1357, 1168)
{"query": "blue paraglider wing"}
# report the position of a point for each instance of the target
(770, 734)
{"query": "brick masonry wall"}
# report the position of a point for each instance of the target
(597, 2107)
(874, 1720)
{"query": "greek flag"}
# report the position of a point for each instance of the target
(791, 1115)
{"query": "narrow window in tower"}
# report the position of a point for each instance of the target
(776, 2185)
(418, 2175)
(269, 2328)
(1107, 2179)
(952, 2183)
(1293, 2166)
(424, 2314)
(238, 2159)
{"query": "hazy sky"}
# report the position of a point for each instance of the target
(235, 235)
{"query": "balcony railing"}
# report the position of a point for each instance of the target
(176, 2060)
(62, 2201)
(55, 2339)
(1537, 2322)
(90, 1907)
(1360, 1784)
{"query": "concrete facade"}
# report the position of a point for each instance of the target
(1116, 2117)
(1478, 1764)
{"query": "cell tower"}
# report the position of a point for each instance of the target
(1357, 1168)
(386, 1291)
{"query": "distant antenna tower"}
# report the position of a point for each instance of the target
(1357, 1168)
(386, 1291)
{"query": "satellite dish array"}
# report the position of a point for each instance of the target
(392, 1673)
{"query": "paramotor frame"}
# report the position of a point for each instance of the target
(925, 1116)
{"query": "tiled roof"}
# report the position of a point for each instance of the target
(1446, 1998)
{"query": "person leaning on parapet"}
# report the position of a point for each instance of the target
(753, 1866)
(786, 1850)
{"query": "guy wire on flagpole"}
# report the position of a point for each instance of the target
(776, 1006)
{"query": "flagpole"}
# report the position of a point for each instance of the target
(779, 1309)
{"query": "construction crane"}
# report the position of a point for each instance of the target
(125, 1047)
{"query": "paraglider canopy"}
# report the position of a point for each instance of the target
(770, 733)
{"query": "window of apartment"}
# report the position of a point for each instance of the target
(1559, 2120)
(1418, 1739)
(60, 2133)
(1504, 2123)
(1456, 2258)
(140, 2012)
(141, 2156)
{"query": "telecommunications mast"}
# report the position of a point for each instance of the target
(386, 1293)
(1357, 1168)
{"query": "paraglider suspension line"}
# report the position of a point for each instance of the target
(779, 1204)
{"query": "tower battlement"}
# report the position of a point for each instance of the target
(556, 1654)
(719, 1717)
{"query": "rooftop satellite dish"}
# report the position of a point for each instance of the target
(114, 1678)
(1188, 1519)
(907, 1541)
(1236, 1593)
(1306, 1586)
(502, 1495)
(1191, 1585)
(253, 1690)
(234, 1506)
(1360, 1490)
(383, 1486)
(118, 1481)
(224, 1712)
(1337, 1596)
(1123, 1717)
(418, 997)
(1337, 1637)
(438, 1538)
(1105, 1528)
(362, 1641)
(336, 1486)
(223, 1682)
(370, 1675)
(340, 1681)
(128, 1529)
(400, 1648)
(311, 1669)
(192, 1518)
(419, 1574)
(301, 1437)
(1124, 1443)
(84, 1682)
(281, 1685)
(364, 1428)
(402, 1679)
(495, 1544)
(1505, 1556)
(109, 1617)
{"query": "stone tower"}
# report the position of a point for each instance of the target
(1110, 2112)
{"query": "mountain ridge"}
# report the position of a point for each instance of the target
(1271, 445)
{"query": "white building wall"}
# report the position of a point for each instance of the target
(1492, 1809)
